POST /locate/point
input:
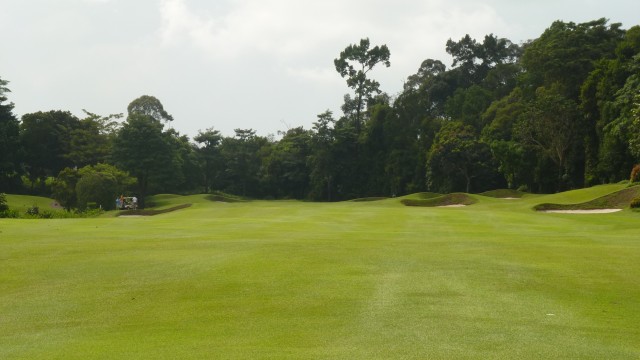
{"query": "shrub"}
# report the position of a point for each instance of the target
(635, 203)
(34, 210)
(90, 213)
(3, 202)
(96, 188)
(92, 205)
(46, 214)
(11, 214)
(635, 173)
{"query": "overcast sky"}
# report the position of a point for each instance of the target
(226, 64)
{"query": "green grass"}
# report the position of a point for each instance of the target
(440, 200)
(617, 200)
(504, 193)
(23, 202)
(352, 280)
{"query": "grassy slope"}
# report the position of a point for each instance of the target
(441, 200)
(24, 202)
(303, 280)
(617, 200)
(504, 193)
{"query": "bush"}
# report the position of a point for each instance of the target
(98, 189)
(46, 214)
(91, 205)
(90, 213)
(635, 173)
(34, 210)
(3, 202)
(11, 214)
(635, 203)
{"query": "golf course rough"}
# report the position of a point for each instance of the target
(351, 280)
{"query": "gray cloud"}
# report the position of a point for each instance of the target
(241, 63)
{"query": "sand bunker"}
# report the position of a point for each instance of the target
(452, 206)
(596, 211)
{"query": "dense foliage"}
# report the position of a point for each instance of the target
(558, 112)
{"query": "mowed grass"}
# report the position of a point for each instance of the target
(22, 203)
(352, 280)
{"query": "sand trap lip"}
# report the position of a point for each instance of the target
(452, 206)
(595, 211)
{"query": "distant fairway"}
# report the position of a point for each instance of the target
(351, 280)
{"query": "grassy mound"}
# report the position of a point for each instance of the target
(426, 195)
(616, 200)
(162, 200)
(152, 212)
(421, 196)
(222, 197)
(24, 202)
(441, 200)
(504, 193)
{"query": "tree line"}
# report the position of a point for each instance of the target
(555, 113)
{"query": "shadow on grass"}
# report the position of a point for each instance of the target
(369, 199)
(441, 200)
(222, 197)
(503, 194)
(152, 212)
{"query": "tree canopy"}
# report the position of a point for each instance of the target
(558, 112)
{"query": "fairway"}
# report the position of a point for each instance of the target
(349, 280)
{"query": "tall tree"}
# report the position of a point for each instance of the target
(209, 151)
(187, 172)
(551, 126)
(46, 138)
(473, 60)
(321, 161)
(150, 106)
(634, 142)
(428, 70)
(513, 158)
(567, 52)
(90, 142)
(10, 168)
(468, 105)
(141, 148)
(285, 169)
(459, 161)
(354, 63)
(243, 155)
(602, 104)
(64, 188)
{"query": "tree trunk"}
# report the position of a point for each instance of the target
(468, 178)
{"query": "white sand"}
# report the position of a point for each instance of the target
(597, 211)
(452, 206)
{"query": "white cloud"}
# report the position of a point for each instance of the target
(249, 62)
(326, 75)
(304, 37)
